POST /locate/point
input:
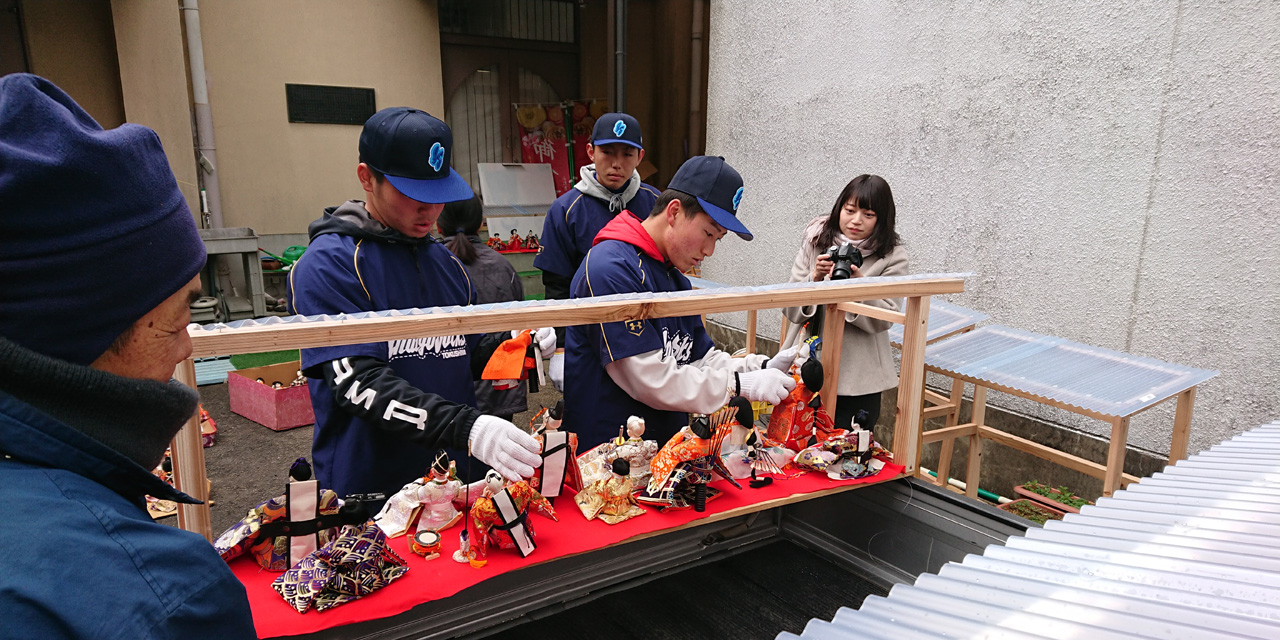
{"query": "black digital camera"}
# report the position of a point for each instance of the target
(845, 257)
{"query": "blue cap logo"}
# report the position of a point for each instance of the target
(737, 198)
(436, 157)
(619, 127)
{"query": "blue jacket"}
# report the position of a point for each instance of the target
(81, 558)
(354, 264)
(572, 223)
(624, 260)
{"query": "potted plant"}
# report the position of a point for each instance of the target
(1031, 510)
(1061, 499)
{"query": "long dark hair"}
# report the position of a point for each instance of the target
(463, 219)
(865, 192)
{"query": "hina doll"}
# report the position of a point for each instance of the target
(756, 456)
(441, 496)
(514, 243)
(611, 499)
(501, 516)
(637, 452)
(800, 416)
(531, 241)
(688, 461)
(559, 451)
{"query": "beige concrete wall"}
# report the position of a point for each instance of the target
(153, 78)
(276, 177)
(72, 43)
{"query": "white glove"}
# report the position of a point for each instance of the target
(556, 371)
(782, 361)
(505, 447)
(765, 385)
(545, 338)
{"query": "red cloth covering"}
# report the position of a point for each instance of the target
(442, 577)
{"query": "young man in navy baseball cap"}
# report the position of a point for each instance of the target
(383, 408)
(661, 369)
(608, 186)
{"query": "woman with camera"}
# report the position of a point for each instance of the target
(857, 239)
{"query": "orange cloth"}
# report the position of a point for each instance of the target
(507, 362)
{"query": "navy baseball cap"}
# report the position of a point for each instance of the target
(617, 127)
(718, 188)
(413, 149)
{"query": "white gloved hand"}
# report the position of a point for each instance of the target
(782, 361)
(505, 447)
(545, 338)
(765, 385)
(556, 371)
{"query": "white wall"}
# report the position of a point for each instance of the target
(1110, 171)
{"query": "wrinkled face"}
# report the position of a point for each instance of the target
(691, 240)
(615, 163)
(157, 342)
(855, 222)
(396, 210)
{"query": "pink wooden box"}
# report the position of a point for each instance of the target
(276, 409)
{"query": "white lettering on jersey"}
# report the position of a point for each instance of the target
(402, 411)
(678, 346)
(436, 346)
(342, 370)
(358, 397)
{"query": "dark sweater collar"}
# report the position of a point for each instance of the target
(98, 424)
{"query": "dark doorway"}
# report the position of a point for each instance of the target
(496, 53)
(13, 44)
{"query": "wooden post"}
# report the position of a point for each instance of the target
(1115, 455)
(832, 344)
(906, 431)
(189, 474)
(751, 331)
(782, 332)
(949, 444)
(973, 475)
(1182, 425)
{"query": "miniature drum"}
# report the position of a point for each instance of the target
(425, 542)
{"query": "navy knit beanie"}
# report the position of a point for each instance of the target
(94, 232)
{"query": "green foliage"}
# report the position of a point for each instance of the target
(251, 360)
(1031, 511)
(1061, 494)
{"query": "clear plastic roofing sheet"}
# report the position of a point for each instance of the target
(1092, 378)
(944, 319)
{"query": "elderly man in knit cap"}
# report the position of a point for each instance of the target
(99, 258)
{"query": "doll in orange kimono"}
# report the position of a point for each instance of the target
(801, 416)
(501, 516)
(688, 461)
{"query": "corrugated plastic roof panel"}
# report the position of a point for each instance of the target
(1191, 552)
(944, 319)
(1091, 378)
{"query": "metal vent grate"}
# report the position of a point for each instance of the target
(319, 104)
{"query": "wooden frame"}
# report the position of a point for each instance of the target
(1112, 473)
(188, 454)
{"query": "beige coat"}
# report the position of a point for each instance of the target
(866, 364)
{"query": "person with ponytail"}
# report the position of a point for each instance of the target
(495, 281)
(863, 216)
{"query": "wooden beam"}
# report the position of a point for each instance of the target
(468, 320)
(1182, 425)
(948, 445)
(933, 412)
(906, 432)
(832, 346)
(973, 474)
(189, 475)
(1087, 467)
(936, 399)
(873, 312)
(949, 433)
(751, 331)
(1115, 456)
